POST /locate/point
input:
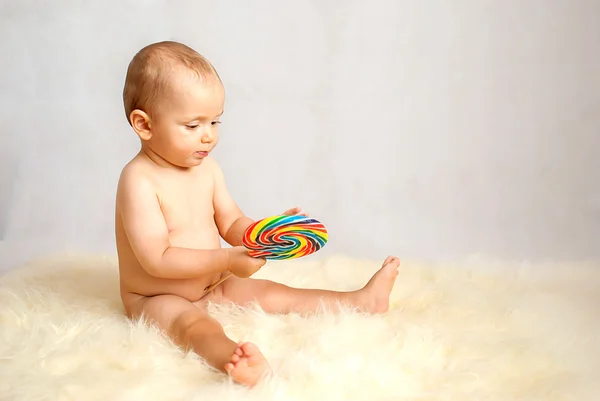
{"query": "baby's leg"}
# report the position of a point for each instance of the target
(190, 327)
(278, 298)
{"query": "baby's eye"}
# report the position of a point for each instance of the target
(216, 122)
(192, 126)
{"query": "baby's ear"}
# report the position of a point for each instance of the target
(140, 122)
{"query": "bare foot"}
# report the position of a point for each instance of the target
(375, 296)
(247, 365)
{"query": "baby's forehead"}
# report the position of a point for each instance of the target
(181, 81)
(188, 92)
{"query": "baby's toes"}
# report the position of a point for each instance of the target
(239, 351)
(229, 367)
(250, 350)
(389, 259)
(235, 358)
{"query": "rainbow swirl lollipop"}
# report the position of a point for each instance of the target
(285, 237)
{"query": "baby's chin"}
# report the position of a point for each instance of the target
(194, 160)
(192, 163)
(186, 164)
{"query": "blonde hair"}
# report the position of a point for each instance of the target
(149, 71)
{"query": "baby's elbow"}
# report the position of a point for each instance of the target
(153, 270)
(153, 266)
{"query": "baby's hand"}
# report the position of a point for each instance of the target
(241, 264)
(295, 211)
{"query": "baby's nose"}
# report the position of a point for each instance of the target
(207, 135)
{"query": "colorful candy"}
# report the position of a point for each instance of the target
(285, 237)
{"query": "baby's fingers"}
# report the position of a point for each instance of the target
(291, 212)
(295, 211)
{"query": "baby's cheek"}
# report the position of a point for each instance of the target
(185, 141)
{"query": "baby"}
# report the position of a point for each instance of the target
(173, 206)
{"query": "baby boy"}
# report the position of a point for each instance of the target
(173, 207)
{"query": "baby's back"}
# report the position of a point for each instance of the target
(184, 205)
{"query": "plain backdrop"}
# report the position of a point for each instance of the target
(426, 129)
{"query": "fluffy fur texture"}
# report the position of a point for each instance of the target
(468, 331)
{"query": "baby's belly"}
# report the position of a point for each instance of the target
(148, 286)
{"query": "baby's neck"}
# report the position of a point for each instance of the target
(155, 159)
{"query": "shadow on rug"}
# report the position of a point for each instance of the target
(470, 331)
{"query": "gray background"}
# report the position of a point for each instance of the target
(426, 129)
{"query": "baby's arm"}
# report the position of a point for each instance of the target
(230, 220)
(148, 234)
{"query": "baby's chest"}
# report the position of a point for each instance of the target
(187, 206)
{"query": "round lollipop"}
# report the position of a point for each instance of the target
(285, 237)
(282, 237)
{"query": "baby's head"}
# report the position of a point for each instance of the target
(173, 99)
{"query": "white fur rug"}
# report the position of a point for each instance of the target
(467, 331)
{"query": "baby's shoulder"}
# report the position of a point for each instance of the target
(210, 164)
(211, 167)
(134, 176)
(133, 169)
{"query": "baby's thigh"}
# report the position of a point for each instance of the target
(243, 291)
(173, 314)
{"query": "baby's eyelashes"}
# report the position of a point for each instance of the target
(194, 126)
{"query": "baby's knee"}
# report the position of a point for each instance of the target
(188, 326)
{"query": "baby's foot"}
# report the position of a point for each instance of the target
(247, 365)
(375, 296)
